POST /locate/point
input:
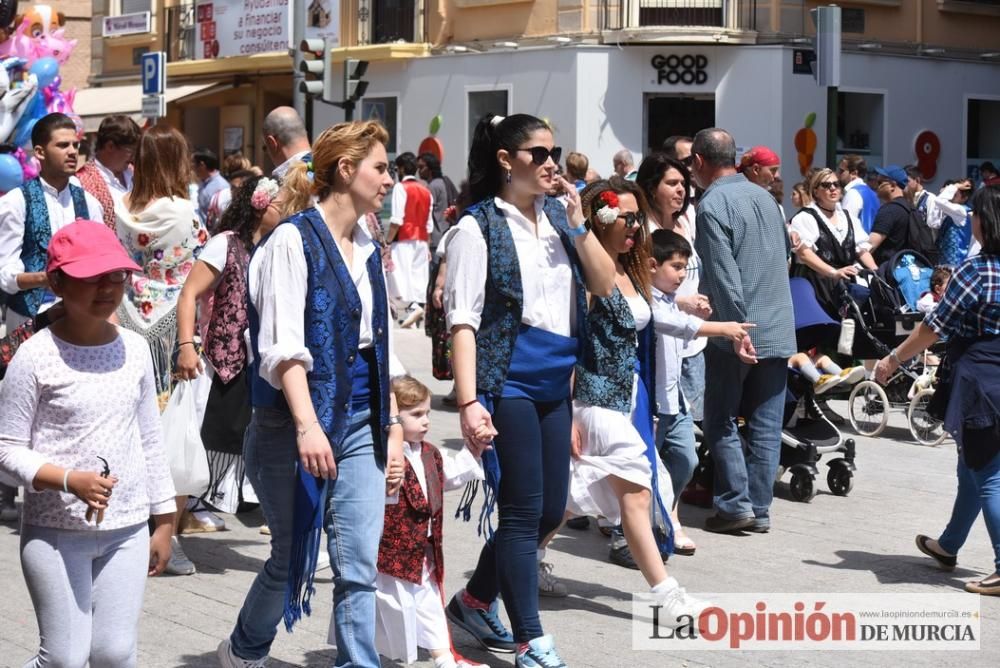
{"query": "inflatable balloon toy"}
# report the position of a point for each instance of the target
(39, 34)
(15, 97)
(11, 173)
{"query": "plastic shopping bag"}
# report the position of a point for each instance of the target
(182, 439)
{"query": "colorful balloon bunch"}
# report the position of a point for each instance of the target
(30, 85)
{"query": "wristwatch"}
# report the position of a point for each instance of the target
(393, 421)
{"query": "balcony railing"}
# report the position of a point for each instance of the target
(631, 14)
(387, 21)
(181, 28)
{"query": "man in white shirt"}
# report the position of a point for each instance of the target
(31, 214)
(859, 200)
(108, 177)
(410, 226)
(285, 139)
(624, 164)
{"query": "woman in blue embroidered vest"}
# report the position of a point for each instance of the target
(518, 270)
(319, 440)
(617, 472)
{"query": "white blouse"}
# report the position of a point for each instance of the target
(808, 230)
(546, 275)
(641, 312)
(277, 286)
(64, 405)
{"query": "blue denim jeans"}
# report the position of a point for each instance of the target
(744, 480)
(692, 384)
(354, 514)
(977, 491)
(675, 441)
(533, 447)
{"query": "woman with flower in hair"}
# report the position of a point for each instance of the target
(217, 283)
(161, 230)
(617, 472)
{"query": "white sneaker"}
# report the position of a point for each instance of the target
(179, 563)
(678, 603)
(548, 584)
(229, 660)
(322, 559)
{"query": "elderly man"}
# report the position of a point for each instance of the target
(285, 139)
(744, 249)
(624, 164)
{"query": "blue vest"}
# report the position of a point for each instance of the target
(610, 354)
(332, 331)
(35, 246)
(870, 205)
(504, 302)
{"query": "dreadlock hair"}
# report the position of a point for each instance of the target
(636, 261)
(240, 217)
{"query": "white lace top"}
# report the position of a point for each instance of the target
(65, 405)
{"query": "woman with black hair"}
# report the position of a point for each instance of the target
(968, 393)
(666, 183)
(442, 190)
(218, 282)
(519, 269)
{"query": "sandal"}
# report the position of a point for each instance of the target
(683, 545)
(983, 587)
(946, 562)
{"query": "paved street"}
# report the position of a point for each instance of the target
(862, 543)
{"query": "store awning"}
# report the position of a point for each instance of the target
(93, 104)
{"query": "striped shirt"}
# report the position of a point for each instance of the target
(744, 250)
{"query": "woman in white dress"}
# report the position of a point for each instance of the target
(616, 472)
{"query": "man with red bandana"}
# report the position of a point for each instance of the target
(760, 165)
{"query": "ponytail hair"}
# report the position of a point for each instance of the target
(353, 141)
(492, 134)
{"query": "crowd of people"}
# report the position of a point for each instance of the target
(589, 325)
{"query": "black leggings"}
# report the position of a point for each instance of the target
(533, 447)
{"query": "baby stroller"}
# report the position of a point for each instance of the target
(882, 322)
(807, 433)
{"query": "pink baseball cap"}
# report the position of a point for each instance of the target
(85, 248)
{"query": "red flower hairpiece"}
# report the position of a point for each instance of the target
(610, 198)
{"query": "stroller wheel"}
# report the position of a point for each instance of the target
(802, 487)
(869, 408)
(925, 429)
(840, 480)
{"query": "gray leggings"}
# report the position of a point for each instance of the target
(87, 588)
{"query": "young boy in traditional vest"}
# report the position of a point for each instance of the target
(31, 214)
(409, 228)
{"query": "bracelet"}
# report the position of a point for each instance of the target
(579, 231)
(894, 356)
(302, 432)
(66, 481)
(467, 404)
(184, 343)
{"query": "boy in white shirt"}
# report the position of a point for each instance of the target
(675, 428)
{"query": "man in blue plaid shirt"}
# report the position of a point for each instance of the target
(744, 249)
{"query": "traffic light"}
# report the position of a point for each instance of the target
(354, 85)
(828, 44)
(316, 65)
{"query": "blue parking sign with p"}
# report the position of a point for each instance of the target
(154, 73)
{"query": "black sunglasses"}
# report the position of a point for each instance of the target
(829, 185)
(633, 219)
(688, 161)
(539, 154)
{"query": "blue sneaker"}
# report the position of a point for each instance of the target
(485, 626)
(540, 653)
